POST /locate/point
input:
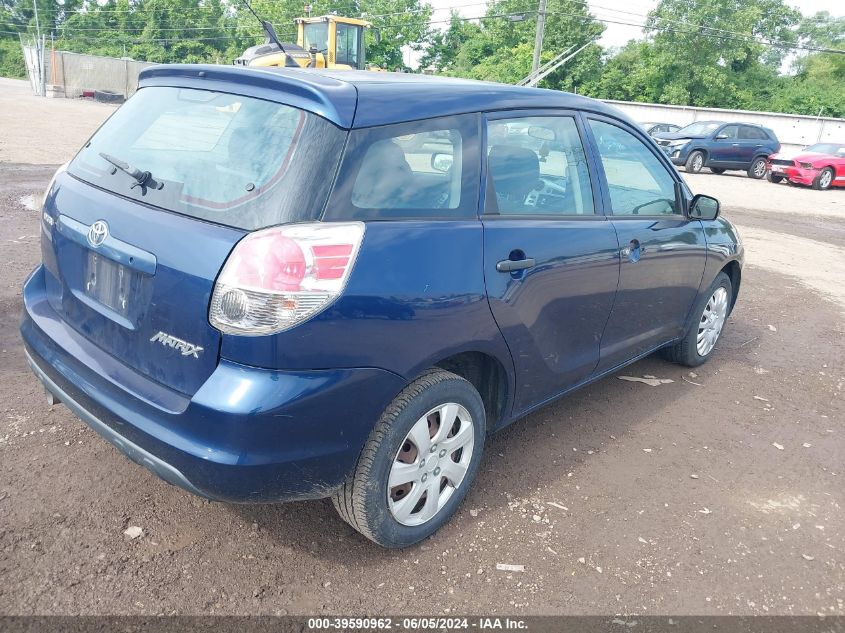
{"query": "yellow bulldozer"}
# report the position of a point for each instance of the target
(327, 41)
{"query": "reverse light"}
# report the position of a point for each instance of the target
(279, 277)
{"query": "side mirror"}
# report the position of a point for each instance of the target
(441, 162)
(721, 137)
(704, 207)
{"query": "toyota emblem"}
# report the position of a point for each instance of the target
(98, 233)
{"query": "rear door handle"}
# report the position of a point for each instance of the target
(511, 265)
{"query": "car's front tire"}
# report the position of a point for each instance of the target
(758, 168)
(774, 177)
(695, 162)
(418, 462)
(704, 328)
(824, 179)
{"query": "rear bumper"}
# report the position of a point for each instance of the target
(247, 435)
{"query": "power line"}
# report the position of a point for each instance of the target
(729, 35)
(689, 28)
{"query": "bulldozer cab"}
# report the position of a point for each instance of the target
(335, 42)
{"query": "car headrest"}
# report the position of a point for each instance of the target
(383, 171)
(515, 170)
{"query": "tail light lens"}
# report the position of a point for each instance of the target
(49, 190)
(279, 277)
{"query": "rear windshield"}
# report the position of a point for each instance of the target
(230, 159)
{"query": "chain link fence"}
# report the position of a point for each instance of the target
(64, 74)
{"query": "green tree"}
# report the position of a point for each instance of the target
(715, 53)
(443, 46)
(818, 84)
(501, 49)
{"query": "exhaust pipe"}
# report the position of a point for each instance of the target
(52, 399)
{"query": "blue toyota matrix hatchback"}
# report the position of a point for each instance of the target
(268, 285)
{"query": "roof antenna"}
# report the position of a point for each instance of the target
(270, 32)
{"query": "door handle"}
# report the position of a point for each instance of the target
(512, 265)
(634, 251)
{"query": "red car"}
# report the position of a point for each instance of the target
(820, 166)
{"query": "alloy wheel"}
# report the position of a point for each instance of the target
(712, 321)
(825, 179)
(760, 168)
(697, 163)
(431, 464)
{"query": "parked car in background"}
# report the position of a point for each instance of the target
(246, 327)
(820, 166)
(721, 146)
(653, 128)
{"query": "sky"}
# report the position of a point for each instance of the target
(621, 10)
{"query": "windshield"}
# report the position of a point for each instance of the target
(316, 36)
(225, 158)
(698, 129)
(831, 149)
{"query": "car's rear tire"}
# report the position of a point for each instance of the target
(717, 170)
(695, 162)
(824, 179)
(758, 168)
(411, 448)
(705, 325)
(774, 177)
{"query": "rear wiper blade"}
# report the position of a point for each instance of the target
(143, 179)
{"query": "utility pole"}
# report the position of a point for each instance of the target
(37, 27)
(39, 51)
(538, 39)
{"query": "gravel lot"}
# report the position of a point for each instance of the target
(718, 493)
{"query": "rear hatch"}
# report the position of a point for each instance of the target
(150, 208)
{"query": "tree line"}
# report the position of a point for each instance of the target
(763, 55)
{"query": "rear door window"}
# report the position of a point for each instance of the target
(424, 169)
(230, 159)
(537, 166)
(748, 132)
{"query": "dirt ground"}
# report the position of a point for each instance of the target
(718, 493)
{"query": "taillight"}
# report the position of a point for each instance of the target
(279, 277)
(49, 190)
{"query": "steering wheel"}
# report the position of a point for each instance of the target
(545, 188)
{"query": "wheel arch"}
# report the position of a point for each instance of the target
(703, 150)
(488, 374)
(734, 272)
